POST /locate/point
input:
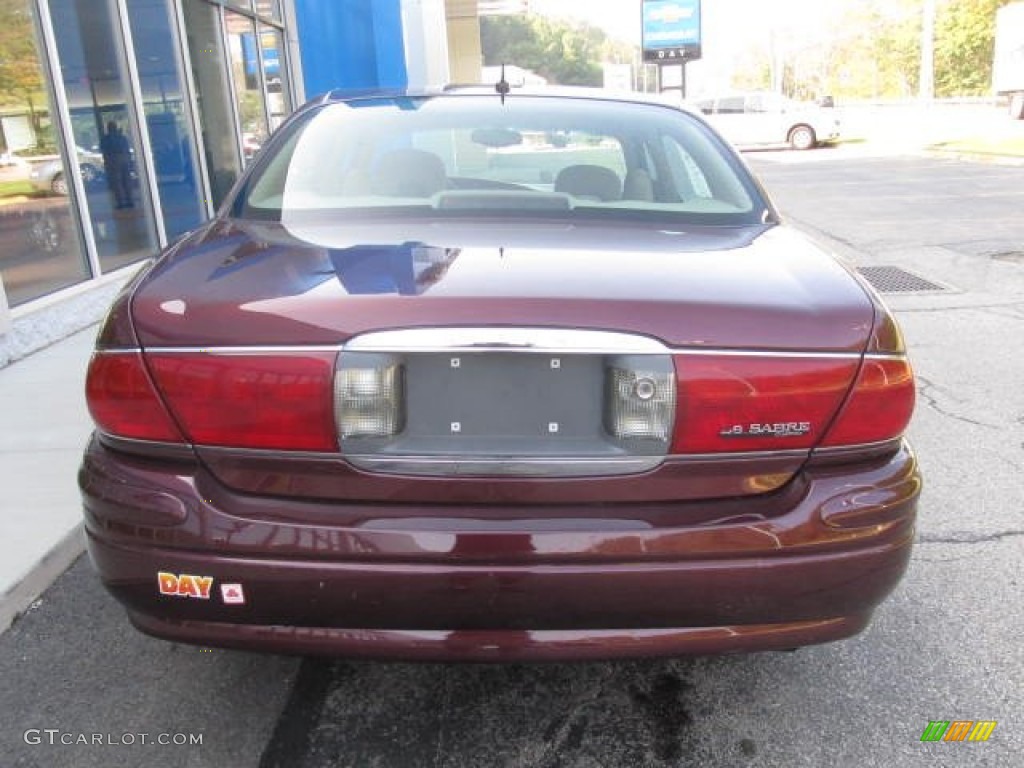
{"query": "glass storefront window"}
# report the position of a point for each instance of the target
(245, 68)
(213, 96)
(40, 246)
(82, 171)
(170, 134)
(275, 75)
(258, 84)
(269, 9)
(106, 134)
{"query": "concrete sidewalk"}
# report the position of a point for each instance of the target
(44, 425)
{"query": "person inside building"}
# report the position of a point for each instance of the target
(117, 159)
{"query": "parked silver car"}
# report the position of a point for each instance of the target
(48, 175)
(764, 118)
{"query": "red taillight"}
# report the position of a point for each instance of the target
(122, 400)
(735, 403)
(879, 407)
(279, 401)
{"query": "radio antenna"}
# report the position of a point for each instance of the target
(502, 86)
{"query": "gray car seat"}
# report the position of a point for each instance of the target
(589, 181)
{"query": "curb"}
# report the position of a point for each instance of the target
(19, 598)
(994, 158)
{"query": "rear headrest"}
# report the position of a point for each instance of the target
(638, 186)
(594, 181)
(408, 173)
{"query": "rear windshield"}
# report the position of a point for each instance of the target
(535, 156)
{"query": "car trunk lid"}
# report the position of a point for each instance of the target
(756, 337)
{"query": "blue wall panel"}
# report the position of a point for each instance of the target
(351, 44)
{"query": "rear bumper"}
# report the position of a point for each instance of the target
(503, 645)
(484, 584)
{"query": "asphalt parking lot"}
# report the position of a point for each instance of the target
(946, 646)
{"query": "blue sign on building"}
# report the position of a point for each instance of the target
(351, 44)
(671, 30)
(271, 57)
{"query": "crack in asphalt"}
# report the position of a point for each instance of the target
(925, 390)
(1015, 313)
(963, 308)
(939, 560)
(569, 732)
(445, 709)
(1012, 463)
(969, 538)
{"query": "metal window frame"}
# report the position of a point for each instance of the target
(284, 55)
(282, 26)
(261, 73)
(232, 85)
(190, 103)
(50, 65)
(139, 106)
(293, 59)
(221, 8)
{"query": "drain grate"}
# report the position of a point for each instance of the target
(897, 280)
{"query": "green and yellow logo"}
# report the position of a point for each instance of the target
(958, 730)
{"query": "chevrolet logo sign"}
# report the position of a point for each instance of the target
(670, 14)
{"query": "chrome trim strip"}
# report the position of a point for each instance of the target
(510, 466)
(148, 448)
(597, 460)
(679, 458)
(693, 458)
(886, 356)
(675, 458)
(770, 354)
(234, 351)
(652, 349)
(500, 339)
(185, 451)
(839, 450)
(270, 453)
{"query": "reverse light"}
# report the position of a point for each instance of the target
(369, 401)
(640, 399)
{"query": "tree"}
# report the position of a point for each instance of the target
(562, 53)
(869, 49)
(21, 83)
(19, 65)
(878, 51)
(964, 41)
(874, 52)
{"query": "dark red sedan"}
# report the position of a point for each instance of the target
(462, 376)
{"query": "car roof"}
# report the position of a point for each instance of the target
(536, 91)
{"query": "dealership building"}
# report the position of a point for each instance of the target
(124, 123)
